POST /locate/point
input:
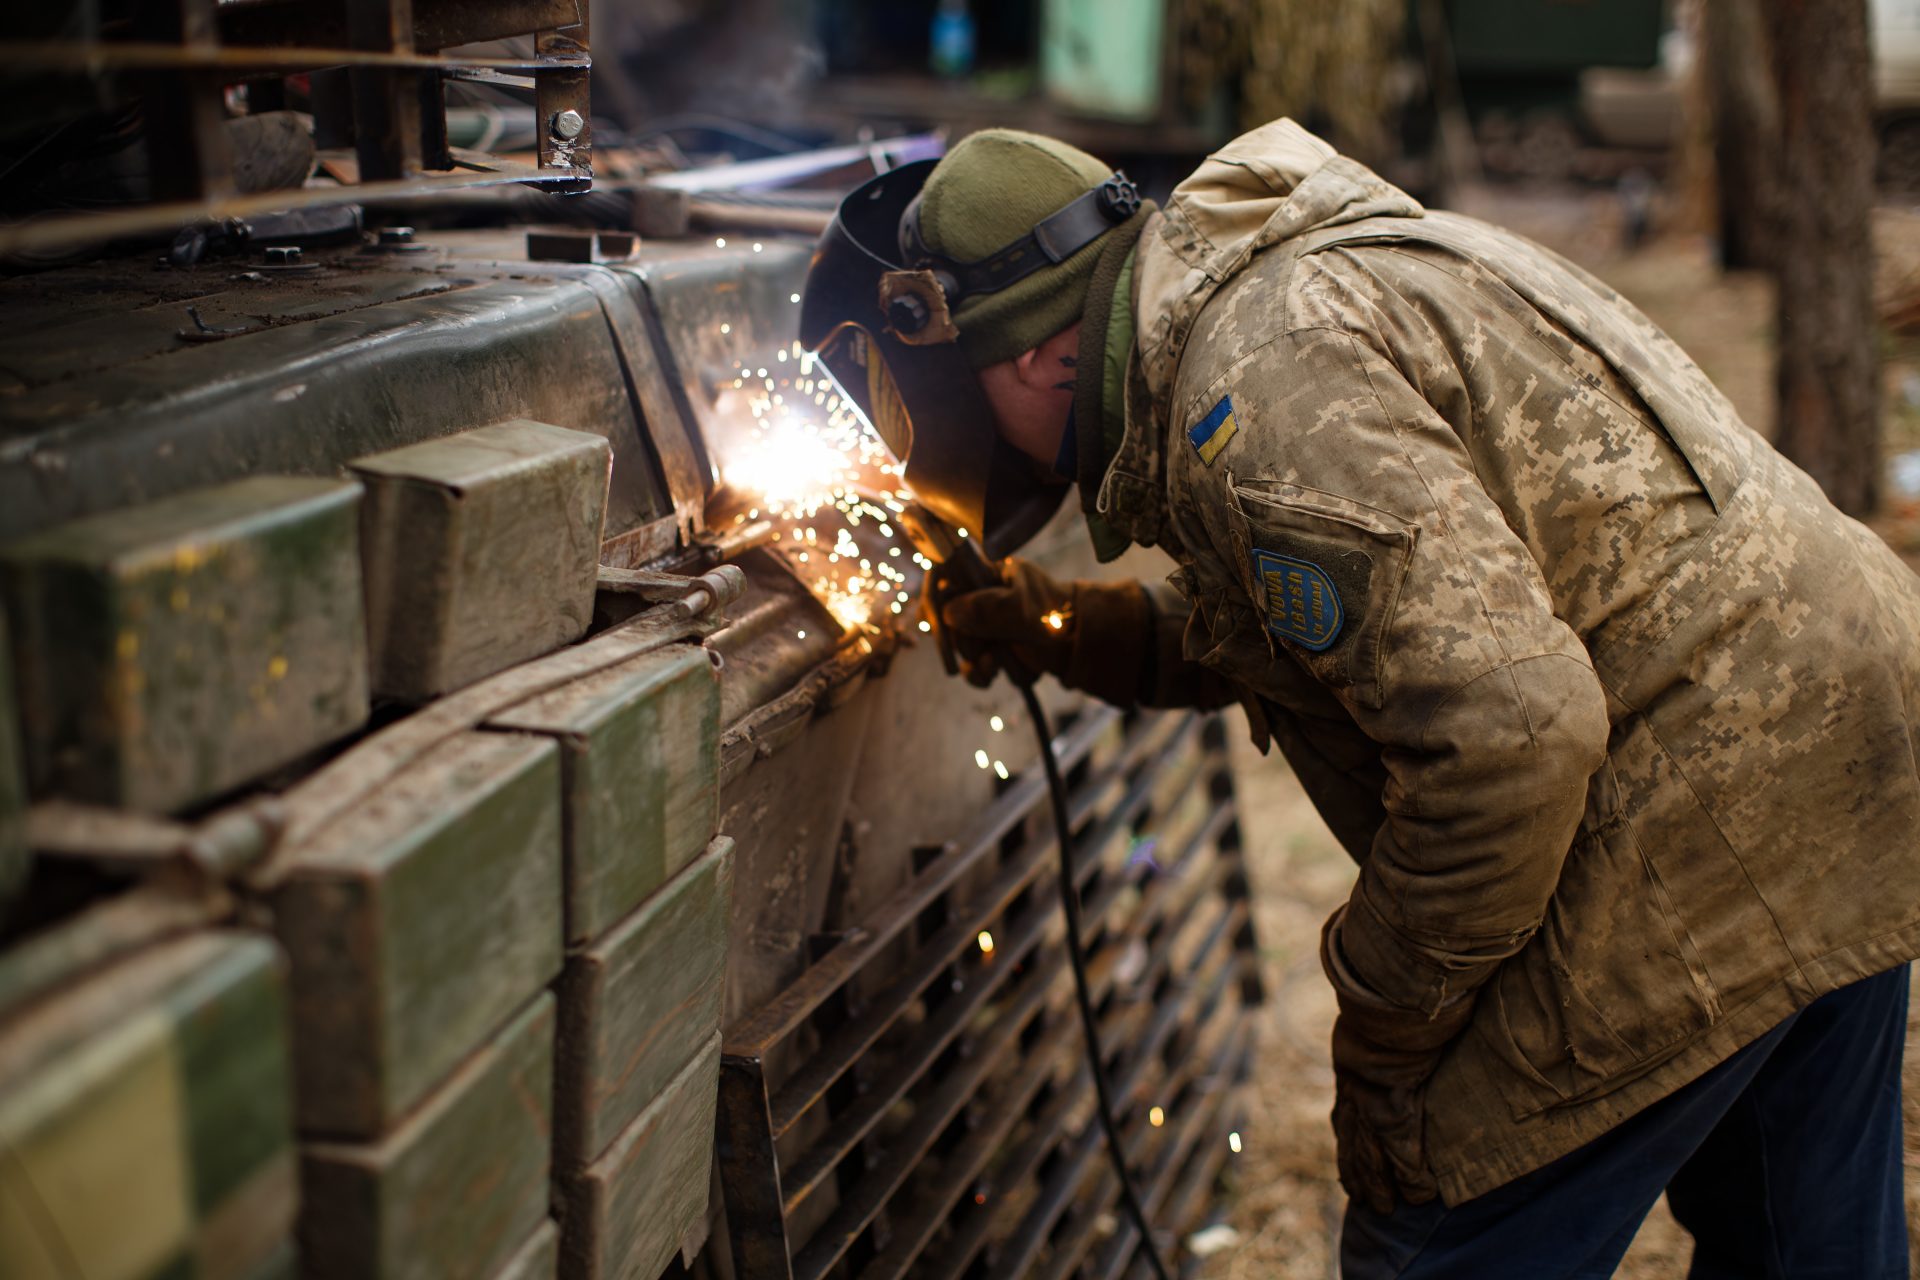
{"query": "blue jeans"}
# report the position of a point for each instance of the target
(1784, 1162)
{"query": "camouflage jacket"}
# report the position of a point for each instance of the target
(1614, 710)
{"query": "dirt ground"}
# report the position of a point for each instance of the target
(1286, 1205)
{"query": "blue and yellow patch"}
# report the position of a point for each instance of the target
(1299, 599)
(1211, 434)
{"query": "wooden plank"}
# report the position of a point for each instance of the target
(169, 652)
(625, 1215)
(418, 924)
(454, 1190)
(145, 1117)
(481, 551)
(638, 1003)
(537, 1258)
(640, 766)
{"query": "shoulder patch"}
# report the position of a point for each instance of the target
(1299, 599)
(1211, 434)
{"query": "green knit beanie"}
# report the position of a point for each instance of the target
(987, 192)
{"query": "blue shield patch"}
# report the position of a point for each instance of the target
(1299, 599)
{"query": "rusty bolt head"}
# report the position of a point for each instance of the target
(396, 235)
(568, 124)
(283, 255)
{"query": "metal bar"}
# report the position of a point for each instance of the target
(778, 1018)
(185, 121)
(386, 101)
(1205, 1095)
(916, 1229)
(778, 171)
(932, 1114)
(752, 1185)
(563, 110)
(1029, 1238)
(1066, 1250)
(982, 978)
(238, 63)
(800, 1092)
(437, 24)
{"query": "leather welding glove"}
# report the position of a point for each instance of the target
(1093, 636)
(1382, 1057)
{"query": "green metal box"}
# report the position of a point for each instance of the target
(638, 1003)
(624, 1216)
(457, 1188)
(169, 652)
(639, 764)
(481, 551)
(537, 1258)
(418, 924)
(145, 1119)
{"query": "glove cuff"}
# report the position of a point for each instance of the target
(1112, 641)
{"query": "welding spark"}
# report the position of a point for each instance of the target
(1055, 619)
(1233, 1142)
(1156, 1117)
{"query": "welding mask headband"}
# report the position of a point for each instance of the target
(923, 397)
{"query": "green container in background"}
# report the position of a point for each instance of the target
(1560, 38)
(1103, 57)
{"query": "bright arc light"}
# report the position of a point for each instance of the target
(986, 942)
(1233, 1142)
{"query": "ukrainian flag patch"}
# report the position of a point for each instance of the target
(1301, 601)
(1212, 433)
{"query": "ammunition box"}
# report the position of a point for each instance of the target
(146, 1119)
(13, 785)
(626, 1213)
(457, 1188)
(639, 763)
(638, 1003)
(169, 652)
(418, 924)
(537, 1258)
(481, 551)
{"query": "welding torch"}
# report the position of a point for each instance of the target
(959, 567)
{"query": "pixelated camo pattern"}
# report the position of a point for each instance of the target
(1620, 717)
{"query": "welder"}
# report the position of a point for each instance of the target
(1614, 711)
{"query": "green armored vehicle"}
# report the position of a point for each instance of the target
(463, 815)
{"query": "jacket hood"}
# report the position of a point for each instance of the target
(1277, 182)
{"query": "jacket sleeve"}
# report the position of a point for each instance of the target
(1484, 705)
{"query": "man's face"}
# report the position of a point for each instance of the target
(1032, 395)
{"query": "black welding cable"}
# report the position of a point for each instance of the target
(1070, 905)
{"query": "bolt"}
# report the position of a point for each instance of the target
(396, 235)
(283, 255)
(568, 124)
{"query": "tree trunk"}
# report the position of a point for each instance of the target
(1746, 130)
(1828, 363)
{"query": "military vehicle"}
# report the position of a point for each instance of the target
(473, 803)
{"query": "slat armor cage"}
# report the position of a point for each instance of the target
(917, 1103)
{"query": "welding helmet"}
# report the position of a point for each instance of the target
(878, 313)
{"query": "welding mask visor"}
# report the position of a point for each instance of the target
(883, 331)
